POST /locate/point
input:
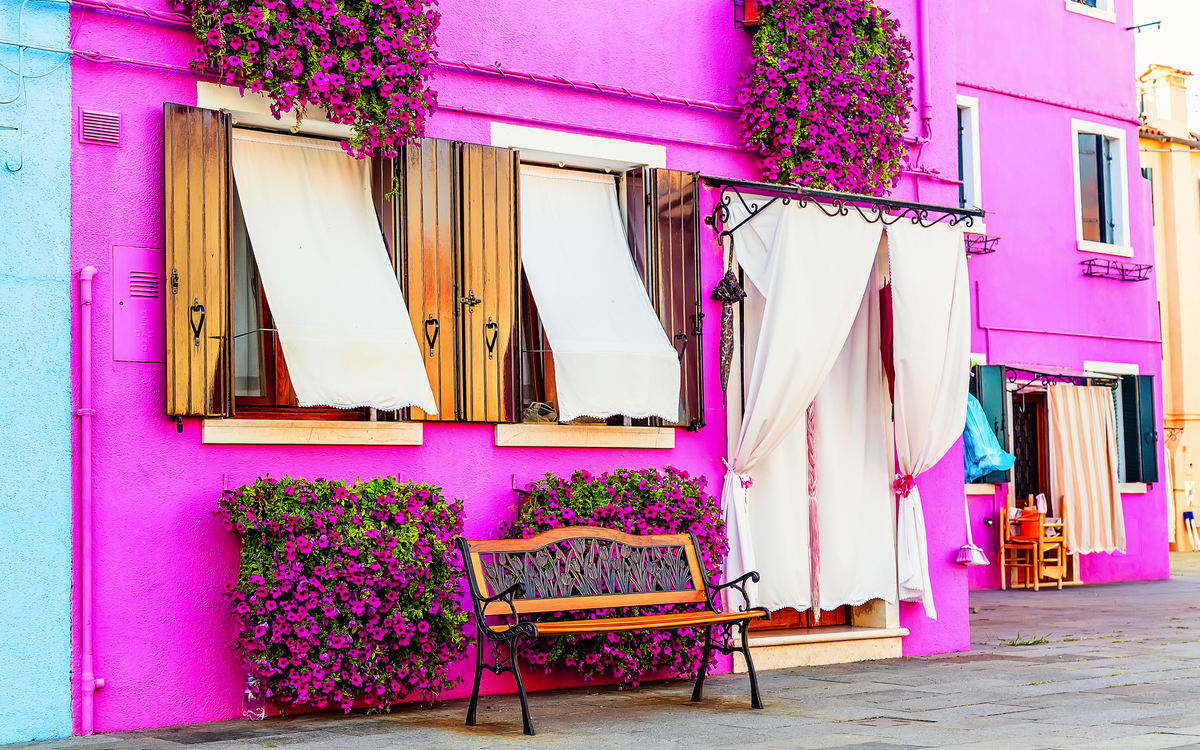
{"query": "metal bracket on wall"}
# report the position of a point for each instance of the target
(980, 244)
(1103, 268)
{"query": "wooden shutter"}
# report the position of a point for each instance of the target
(1148, 428)
(988, 386)
(489, 282)
(429, 241)
(198, 178)
(675, 280)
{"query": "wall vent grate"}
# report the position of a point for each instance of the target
(143, 284)
(103, 128)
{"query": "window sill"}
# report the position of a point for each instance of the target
(582, 436)
(1133, 488)
(309, 432)
(977, 227)
(981, 489)
(1085, 10)
(1103, 248)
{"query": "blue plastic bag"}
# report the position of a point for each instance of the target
(982, 453)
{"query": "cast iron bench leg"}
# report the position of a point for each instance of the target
(755, 698)
(516, 670)
(698, 692)
(480, 643)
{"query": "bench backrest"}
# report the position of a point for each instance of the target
(585, 567)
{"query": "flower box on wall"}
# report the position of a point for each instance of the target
(745, 14)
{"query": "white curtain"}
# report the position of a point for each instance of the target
(1083, 438)
(611, 355)
(812, 270)
(780, 535)
(338, 309)
(855, 461)
(932, 351)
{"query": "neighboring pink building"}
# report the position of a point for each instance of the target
(162, 558)
(1031, 117)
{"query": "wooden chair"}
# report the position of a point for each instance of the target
(1052, 553)
(1018, 555)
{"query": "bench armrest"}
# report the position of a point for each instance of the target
(739, 584)
(505, 596)
(518, 628)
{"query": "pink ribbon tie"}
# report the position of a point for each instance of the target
(904, 484)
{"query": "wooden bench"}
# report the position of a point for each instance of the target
(582, 568)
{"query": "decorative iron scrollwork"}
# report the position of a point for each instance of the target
(872, 209)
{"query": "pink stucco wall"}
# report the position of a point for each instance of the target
(163, 633)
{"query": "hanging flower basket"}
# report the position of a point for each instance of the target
(828, 95)
(365, 62)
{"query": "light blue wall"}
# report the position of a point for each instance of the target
(35, 378)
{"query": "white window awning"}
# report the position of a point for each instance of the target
(611, 354)
(337, 307)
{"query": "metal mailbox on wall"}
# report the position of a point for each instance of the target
(139, 287)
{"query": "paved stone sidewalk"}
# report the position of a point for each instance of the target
(1114, 666)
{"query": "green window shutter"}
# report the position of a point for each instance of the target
(988, 387)
(1131, 429)
(1148, 428)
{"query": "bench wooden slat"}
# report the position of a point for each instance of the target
(645, 622)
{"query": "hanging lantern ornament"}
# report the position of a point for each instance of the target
(728, 292)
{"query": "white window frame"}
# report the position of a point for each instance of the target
(972, 183)
(576, 150)
(1119, 183)
(1102, 12)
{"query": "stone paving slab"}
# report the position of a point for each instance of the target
(1119, 668)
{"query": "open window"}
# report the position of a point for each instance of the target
(969, 189)
(290, 305)
(1099, 9)
(650, 219)
(1101, 196)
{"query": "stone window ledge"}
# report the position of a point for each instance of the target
(582, 436)
(309, 432)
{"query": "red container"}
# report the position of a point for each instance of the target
(1029, 522)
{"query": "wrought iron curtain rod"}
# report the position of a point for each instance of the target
(1045, 379)
(832, 203)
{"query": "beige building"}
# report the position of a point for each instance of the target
(1170, 159)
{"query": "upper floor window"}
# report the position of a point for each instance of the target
(1101, 199)
(969, 189)
(1099, 9)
